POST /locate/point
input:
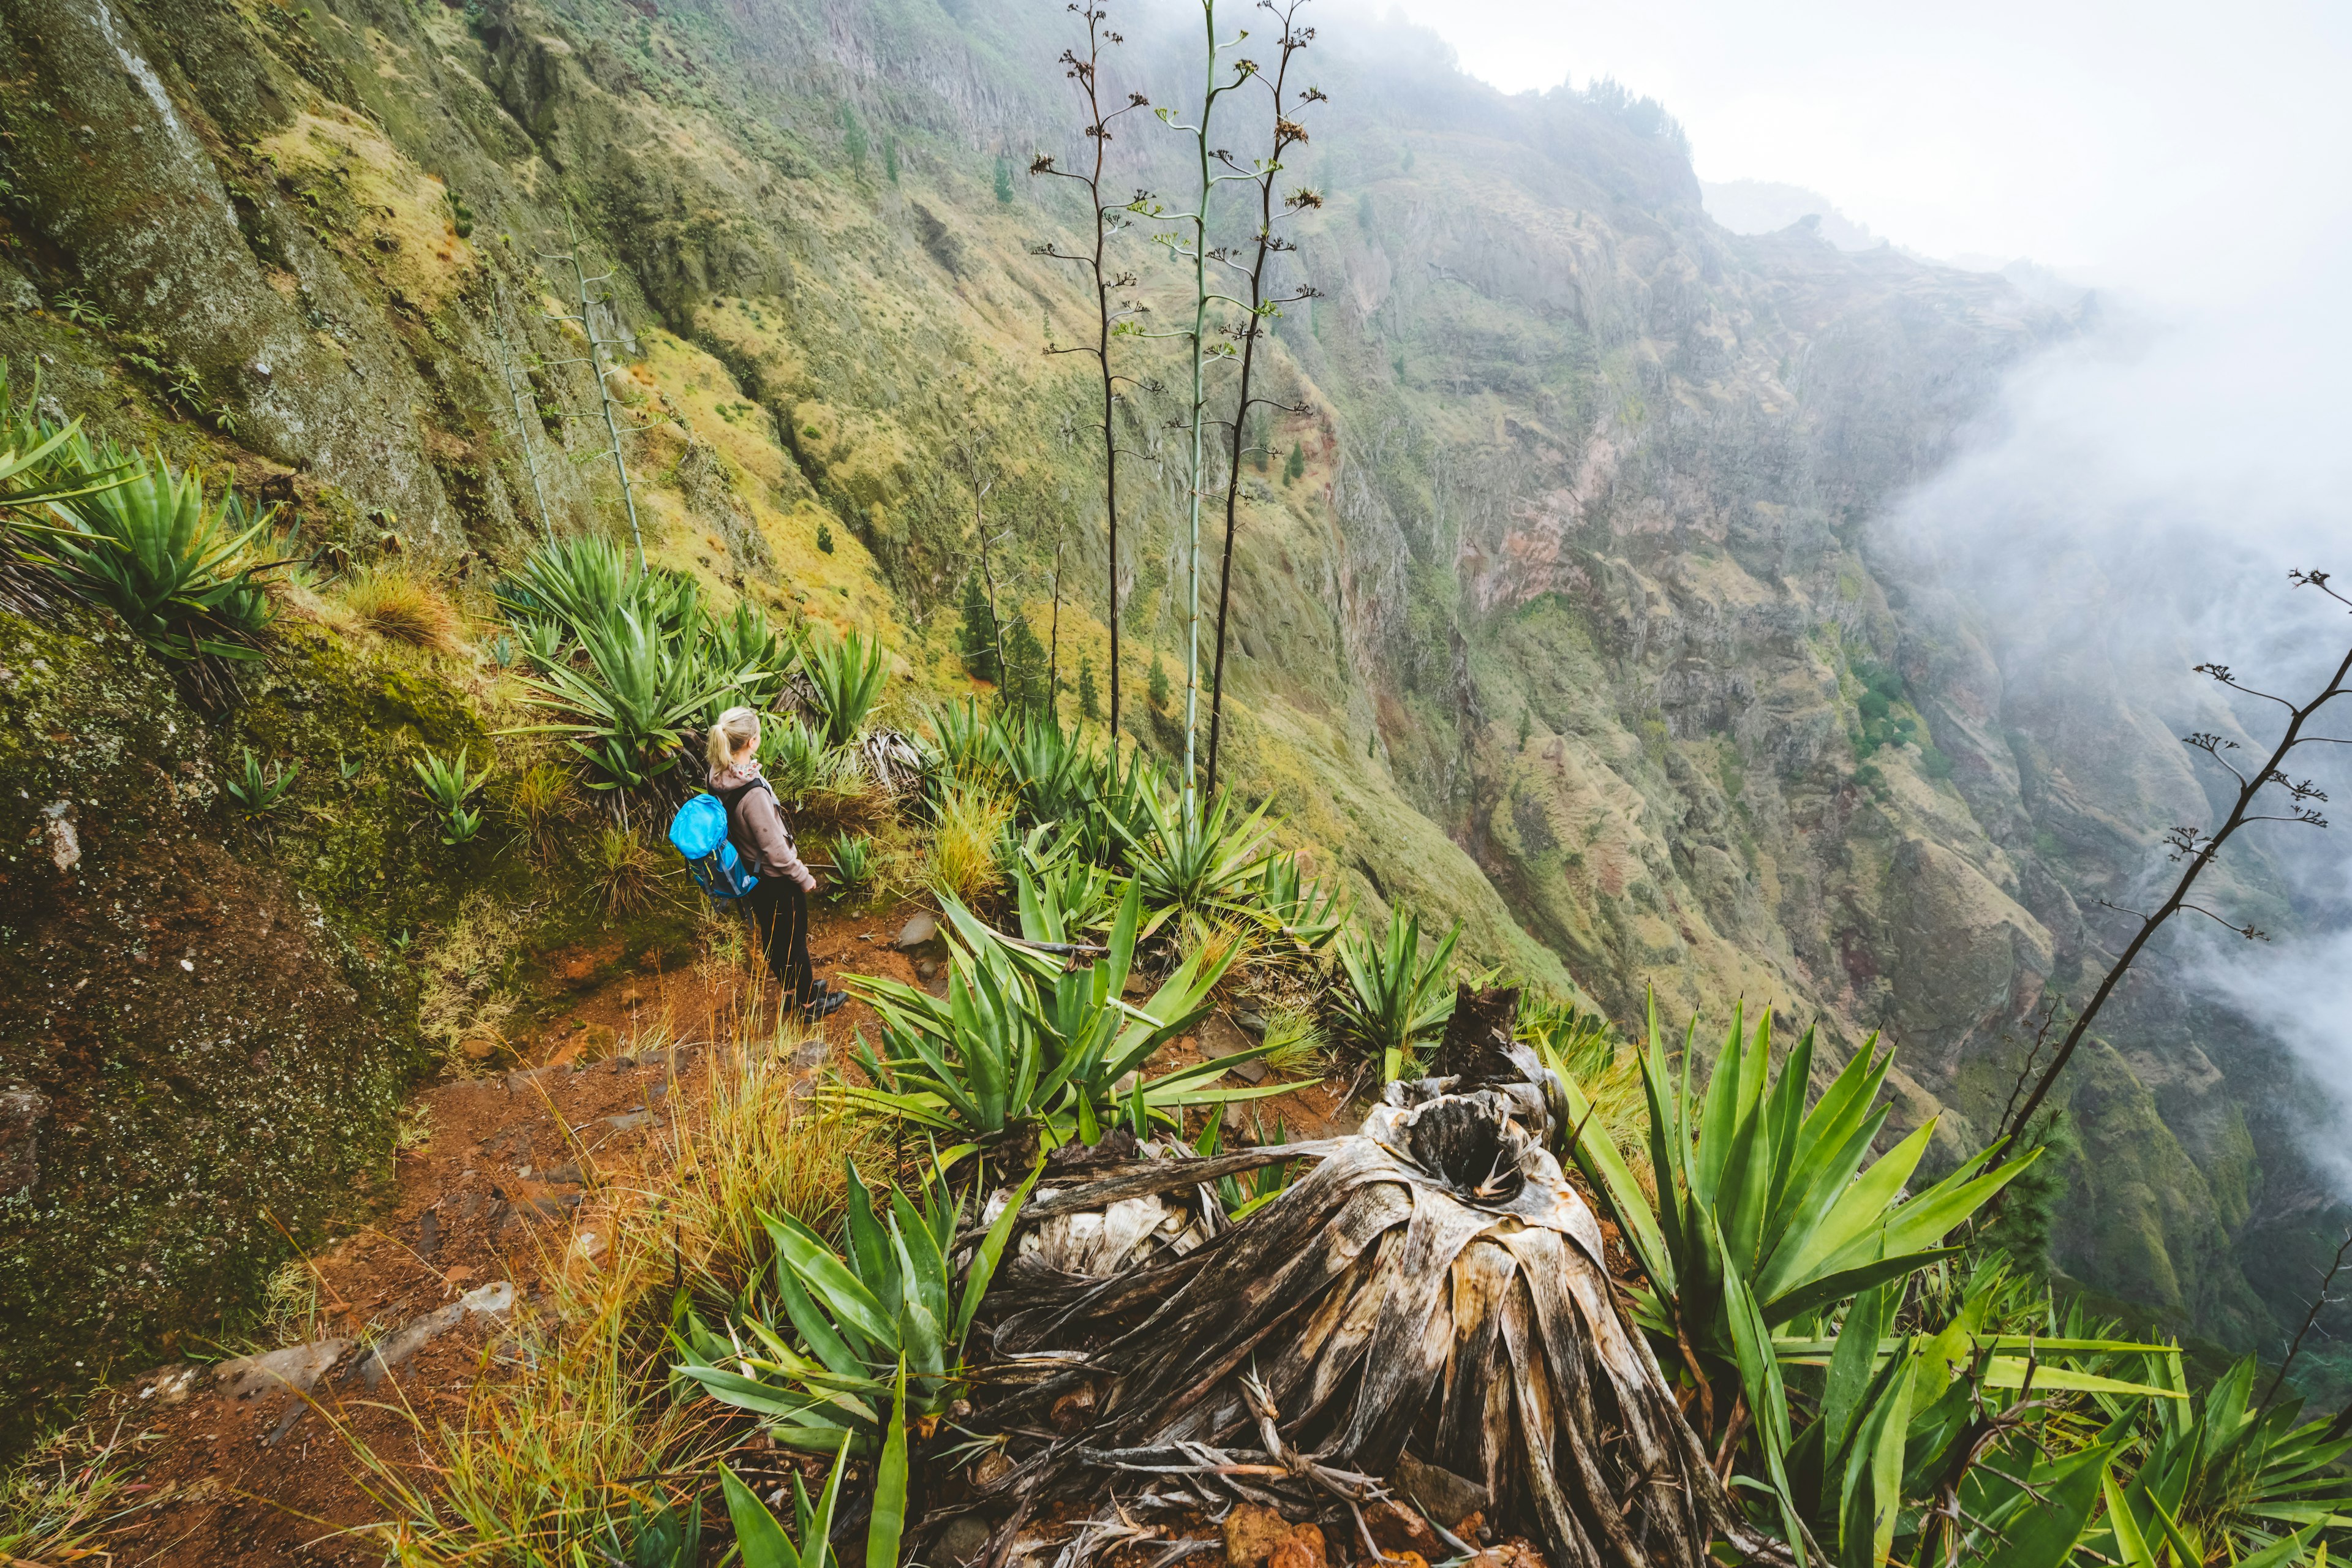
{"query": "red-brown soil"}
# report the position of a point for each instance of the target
(504, 1185)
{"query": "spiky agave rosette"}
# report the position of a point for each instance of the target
(1435, 1285)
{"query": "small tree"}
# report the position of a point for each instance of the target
(890, 158)
(1158, 687)
(1296, 466)
(1004, 181)
(976, 639)
(1025, 688)
(853, 138)
(1089, 698)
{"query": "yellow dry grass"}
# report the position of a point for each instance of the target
(400, 606)
(578, 1424)
(964, 850)
(344, 164)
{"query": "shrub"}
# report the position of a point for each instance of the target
(401, 607)
(971, 820)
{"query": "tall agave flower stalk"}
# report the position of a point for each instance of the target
(1195, 248)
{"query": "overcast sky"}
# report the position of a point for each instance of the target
(2155, 143)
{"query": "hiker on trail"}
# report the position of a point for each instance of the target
(778, 906)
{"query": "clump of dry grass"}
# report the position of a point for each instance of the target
(67, 1493)
(622, 869)
(971, 823)
(540, 802)
(1296, 1044)
(400, 606)
(579, 1424)
(755, 1149)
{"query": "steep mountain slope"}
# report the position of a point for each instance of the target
(1570, 628)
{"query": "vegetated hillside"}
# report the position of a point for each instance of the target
(1564, 625)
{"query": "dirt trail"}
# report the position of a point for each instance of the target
(502, 1185)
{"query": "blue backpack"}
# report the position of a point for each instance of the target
(698, 832)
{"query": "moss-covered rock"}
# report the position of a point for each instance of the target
(212, 1022)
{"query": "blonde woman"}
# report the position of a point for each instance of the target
(778, 906)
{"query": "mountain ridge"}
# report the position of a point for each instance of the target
(1572, 626)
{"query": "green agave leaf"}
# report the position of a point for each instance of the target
(888, 1523)
(2044, 1535)
(758, 1536)
(2009, 1372)
(825, 1276)
(1596, 1156)
(991, 1251)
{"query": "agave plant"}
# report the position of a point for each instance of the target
(1046, 765)
(853, 861)
(963, 740)
(2229, 1481)
(763, 1542)
(669, 1536)
(448, 783)
(1289, 905)
(846, 675)
(1194, 864)
(175, 566)
(256, 793)
(644, 687)
(872, 1337)
(582, 582)
(797, 761)
(1060, 890)
(41, 462)
(1021, 1039)
(1767, 1217)
(1395, 997)
(745, 641)
(545, 642)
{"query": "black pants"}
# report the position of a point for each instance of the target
(778, 911)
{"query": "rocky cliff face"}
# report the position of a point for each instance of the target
(1571, 627)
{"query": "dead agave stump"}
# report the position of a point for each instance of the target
(1432, 1286)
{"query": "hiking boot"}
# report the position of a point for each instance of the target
(825, 1005)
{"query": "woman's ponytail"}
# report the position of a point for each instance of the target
(736, 728)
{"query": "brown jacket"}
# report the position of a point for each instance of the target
(755, 825)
